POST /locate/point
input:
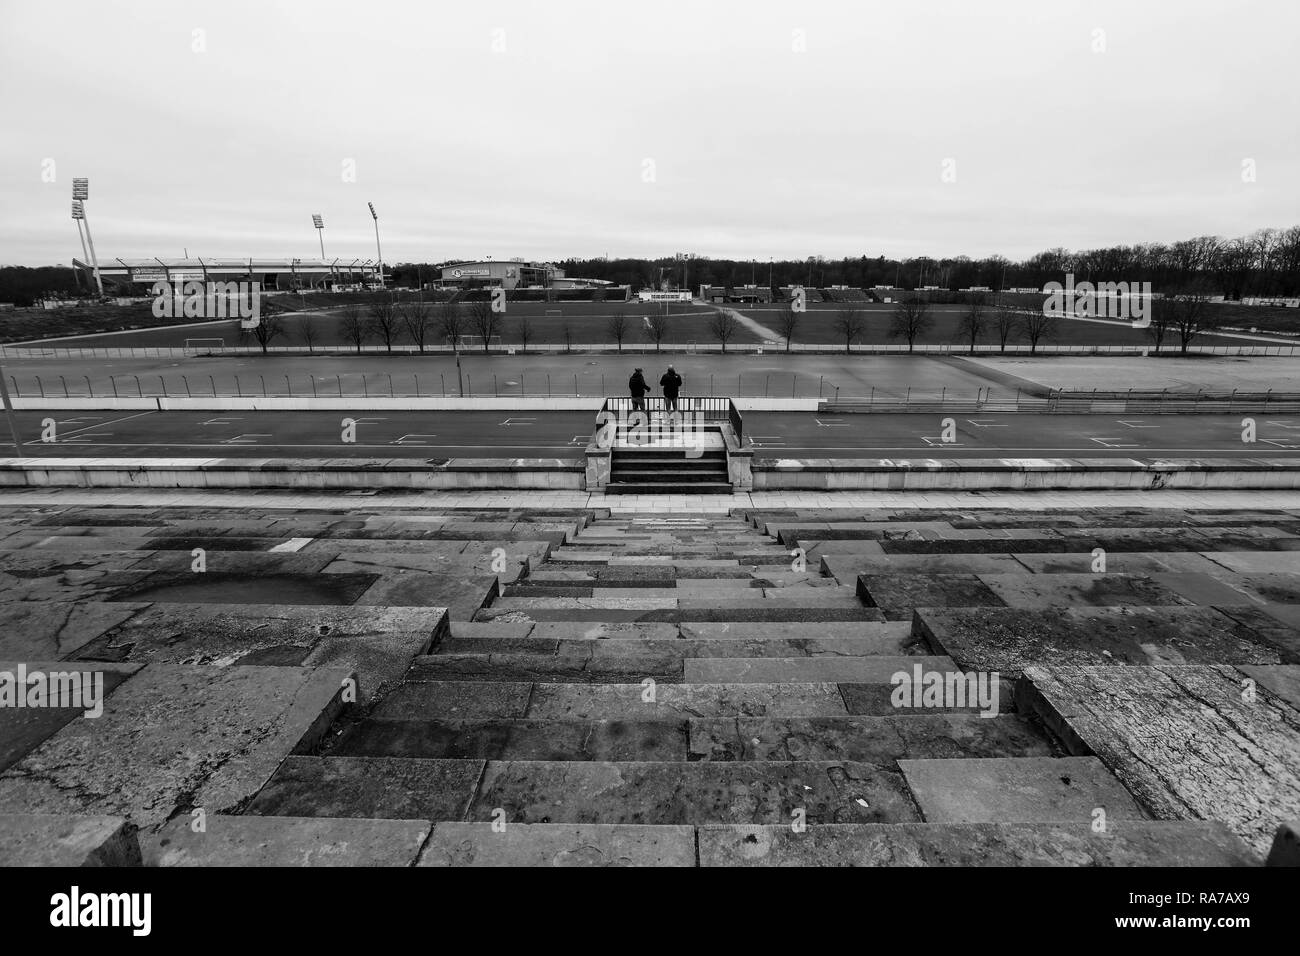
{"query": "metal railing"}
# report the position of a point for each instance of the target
(708, 408)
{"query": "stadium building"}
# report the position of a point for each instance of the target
(526, 280)
(133, 277)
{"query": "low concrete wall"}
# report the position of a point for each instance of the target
(354, 403)
(555, 474)
(1026, 474)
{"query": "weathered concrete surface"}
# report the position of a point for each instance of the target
(175, 736)
(1082, 590)
(1017, 790)
(1125, 843)
(1282, 680)
(1009, 639)
(515, 739)
(771, 670)
(67, 583)
(1182, 740)
(261, 587)
(875, 740)
(54, 629)
(898, 594)
(702, 792)
(390, 788)
(39, 839)
(461, 593)
(628, 701)
(23, 729)
(285, 841)
(559, 844)
(376, 642)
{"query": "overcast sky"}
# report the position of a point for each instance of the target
(546, 130)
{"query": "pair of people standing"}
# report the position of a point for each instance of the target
(671, 383)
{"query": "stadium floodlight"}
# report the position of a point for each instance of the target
(80, 193)
(378, 251)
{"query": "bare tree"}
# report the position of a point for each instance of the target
(1190, 314)
(307, 331)
(911, 320)
(723, 326)
(655, 328)
(483, 321)
(850, 323)
(525, 330)
(268, 328)
(618, 327)
(973, 321)
(1005, 323)
(417, 321)
(787, 322)
(452, 323)
(1038, 325)
(353, 327)
(384, 322)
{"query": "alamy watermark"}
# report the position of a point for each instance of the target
(82, 690)
(1127, 301)
(946, 689)
(209, 300)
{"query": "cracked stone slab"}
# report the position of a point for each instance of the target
(23, 729)
(42, 839)
(1183, 740)
(390, 788)
(898, 594)
(70, 584)
(1118, 562)
(559, 844)
(376, 642)
(774, 670)
(51, 630)
(462, 594)
(174, 736)
(285, 841)
(1018, 790)
(1125, 843)
(1009, 639)
(700, 792)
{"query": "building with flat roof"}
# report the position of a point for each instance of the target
(134, 276)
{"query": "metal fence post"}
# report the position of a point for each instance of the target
(89, 389)
(163, 383)
(188, 393)
(137, 386)
(65, 386)
(287, 387)
(239, 390)
(390, 385)
(40, 385)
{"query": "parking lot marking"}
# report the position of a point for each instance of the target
(1112, 442)
(985, 423)
(520, 421)
(413, 439)
(831, 422)
(249, 439)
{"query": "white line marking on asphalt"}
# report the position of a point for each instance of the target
(985, 423)
(1111, 442)
(404, 439)
(1136, 423)
(248, 439)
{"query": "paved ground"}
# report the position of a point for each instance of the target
(776, 375)
(565, 434)
(1250, 374)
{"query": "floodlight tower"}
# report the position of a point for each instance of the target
(80, 193)
(78, 214)
(379, 252)
(319, 223)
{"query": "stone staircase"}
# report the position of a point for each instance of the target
(544, 687)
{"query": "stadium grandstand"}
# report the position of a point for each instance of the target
(135, 276)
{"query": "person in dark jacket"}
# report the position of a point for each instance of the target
(671, 383)
(638, 387)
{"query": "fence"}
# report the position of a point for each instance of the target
(708, 408)
(532, 382)
(739, 348)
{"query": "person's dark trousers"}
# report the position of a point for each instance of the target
(638, 404)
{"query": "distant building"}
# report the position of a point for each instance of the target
(135, 276)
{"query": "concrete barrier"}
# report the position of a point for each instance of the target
(1023, 474)
(555, 474)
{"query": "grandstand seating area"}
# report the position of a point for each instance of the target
(651, 688)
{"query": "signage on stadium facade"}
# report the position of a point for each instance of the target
(461, 273)
(148, 275)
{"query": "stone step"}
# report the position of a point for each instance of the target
(1125, 843)
(769, 670)
(285, 841)
(878, 740)
(681, 647)
(423, 700)
(625, 792)
(684, 612)
(559, 844)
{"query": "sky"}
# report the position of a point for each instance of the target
(564, 129)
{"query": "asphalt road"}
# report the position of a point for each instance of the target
(565, 434)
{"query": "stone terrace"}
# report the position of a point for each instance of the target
(513, 686)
